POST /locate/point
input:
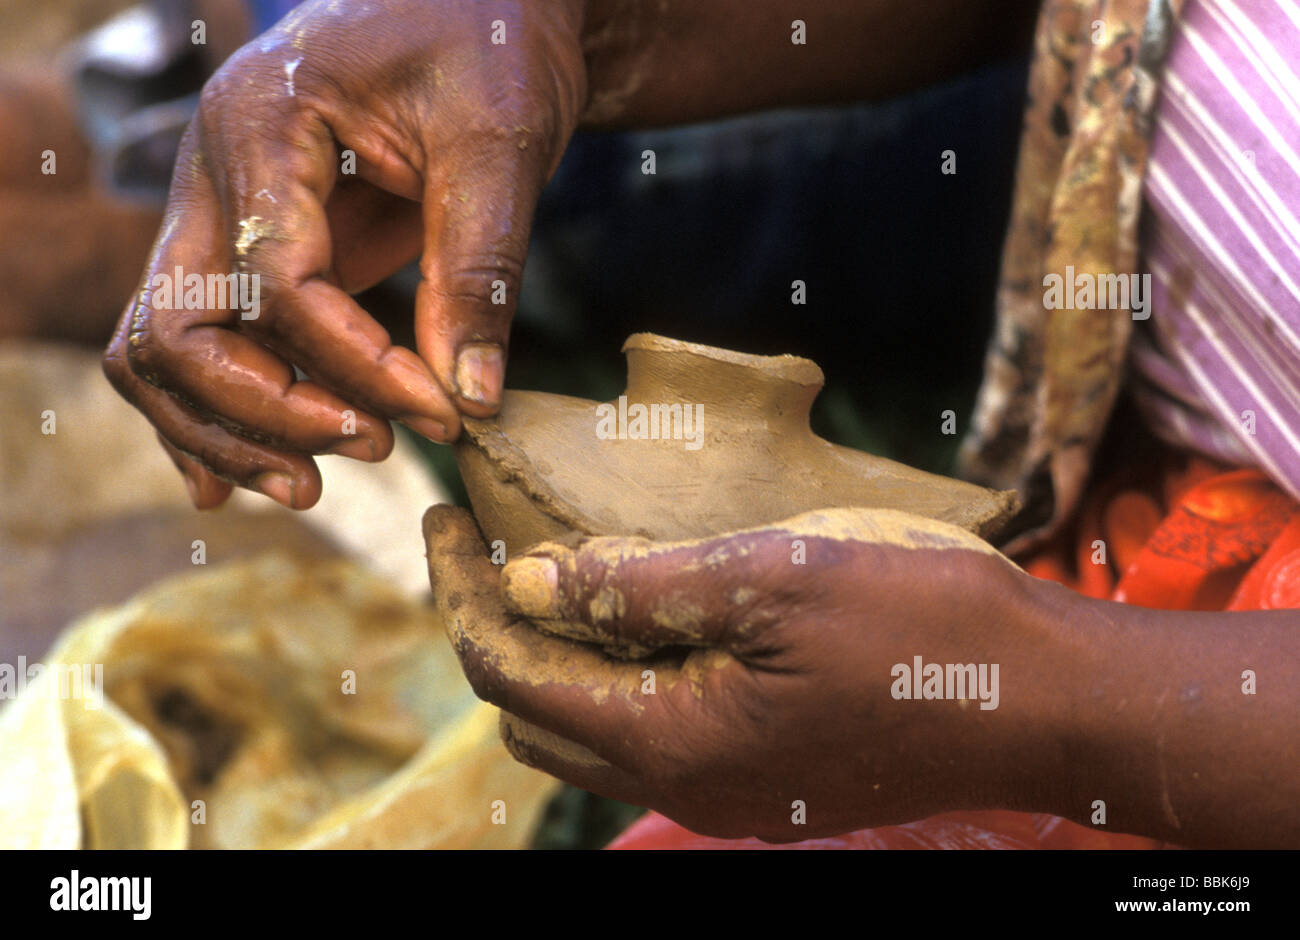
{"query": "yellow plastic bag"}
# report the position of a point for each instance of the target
(277, 702)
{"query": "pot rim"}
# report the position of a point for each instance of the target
(788, 368)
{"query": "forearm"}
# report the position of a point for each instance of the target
(670, 61)
(1166, 731)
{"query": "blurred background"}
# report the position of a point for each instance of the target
(899, 262)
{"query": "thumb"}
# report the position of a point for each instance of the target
(632, 593)
(477, 217)
(721, 591)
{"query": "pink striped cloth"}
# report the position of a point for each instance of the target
(1216, 368)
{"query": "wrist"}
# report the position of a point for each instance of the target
(1034, 748)
(1108, 714)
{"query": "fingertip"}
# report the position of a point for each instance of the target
(279, 486)
(193, 488)
(306, 494)
(476, 410)
(288, 490)
(479, 378)
(436, 519)
(452, 530)
(531, 586)
(371, 443)
(210, 492)
(440, 432)
(383, 441)
(206, 491)
(357, 448)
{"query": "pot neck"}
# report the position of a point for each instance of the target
(734, 388)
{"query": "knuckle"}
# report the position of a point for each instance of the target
(240, 76)
(257, 98)
(560, 58)
(552, 98)
(521, 127)
(592, 591)
(479, 278)
(228, 82)
(237, 462)
(265, 260)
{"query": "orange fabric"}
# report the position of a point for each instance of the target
(1184, 534)
(1194, 541)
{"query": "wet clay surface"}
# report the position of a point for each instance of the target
(721, 441)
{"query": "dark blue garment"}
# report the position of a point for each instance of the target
(266, 13)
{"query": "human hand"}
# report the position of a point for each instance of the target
(774, 681)
(453, 137)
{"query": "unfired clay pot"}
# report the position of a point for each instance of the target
(552, 467)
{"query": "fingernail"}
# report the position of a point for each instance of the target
(433, 430)
(358, 448)
(531, 587)
(278, 486)
(480, 372)
(193, 487)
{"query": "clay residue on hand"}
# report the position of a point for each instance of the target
(679, 618)
(530, 593)
(544, 481)
(520, 737)
(886, 527)
(530, 583)
(467, 591)
(251, 231)
(699, 666)
(607, 606)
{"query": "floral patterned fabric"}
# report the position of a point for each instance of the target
(1052, 375)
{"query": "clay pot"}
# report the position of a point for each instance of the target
(735, 452)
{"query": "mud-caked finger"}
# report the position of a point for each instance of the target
(570, 762)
